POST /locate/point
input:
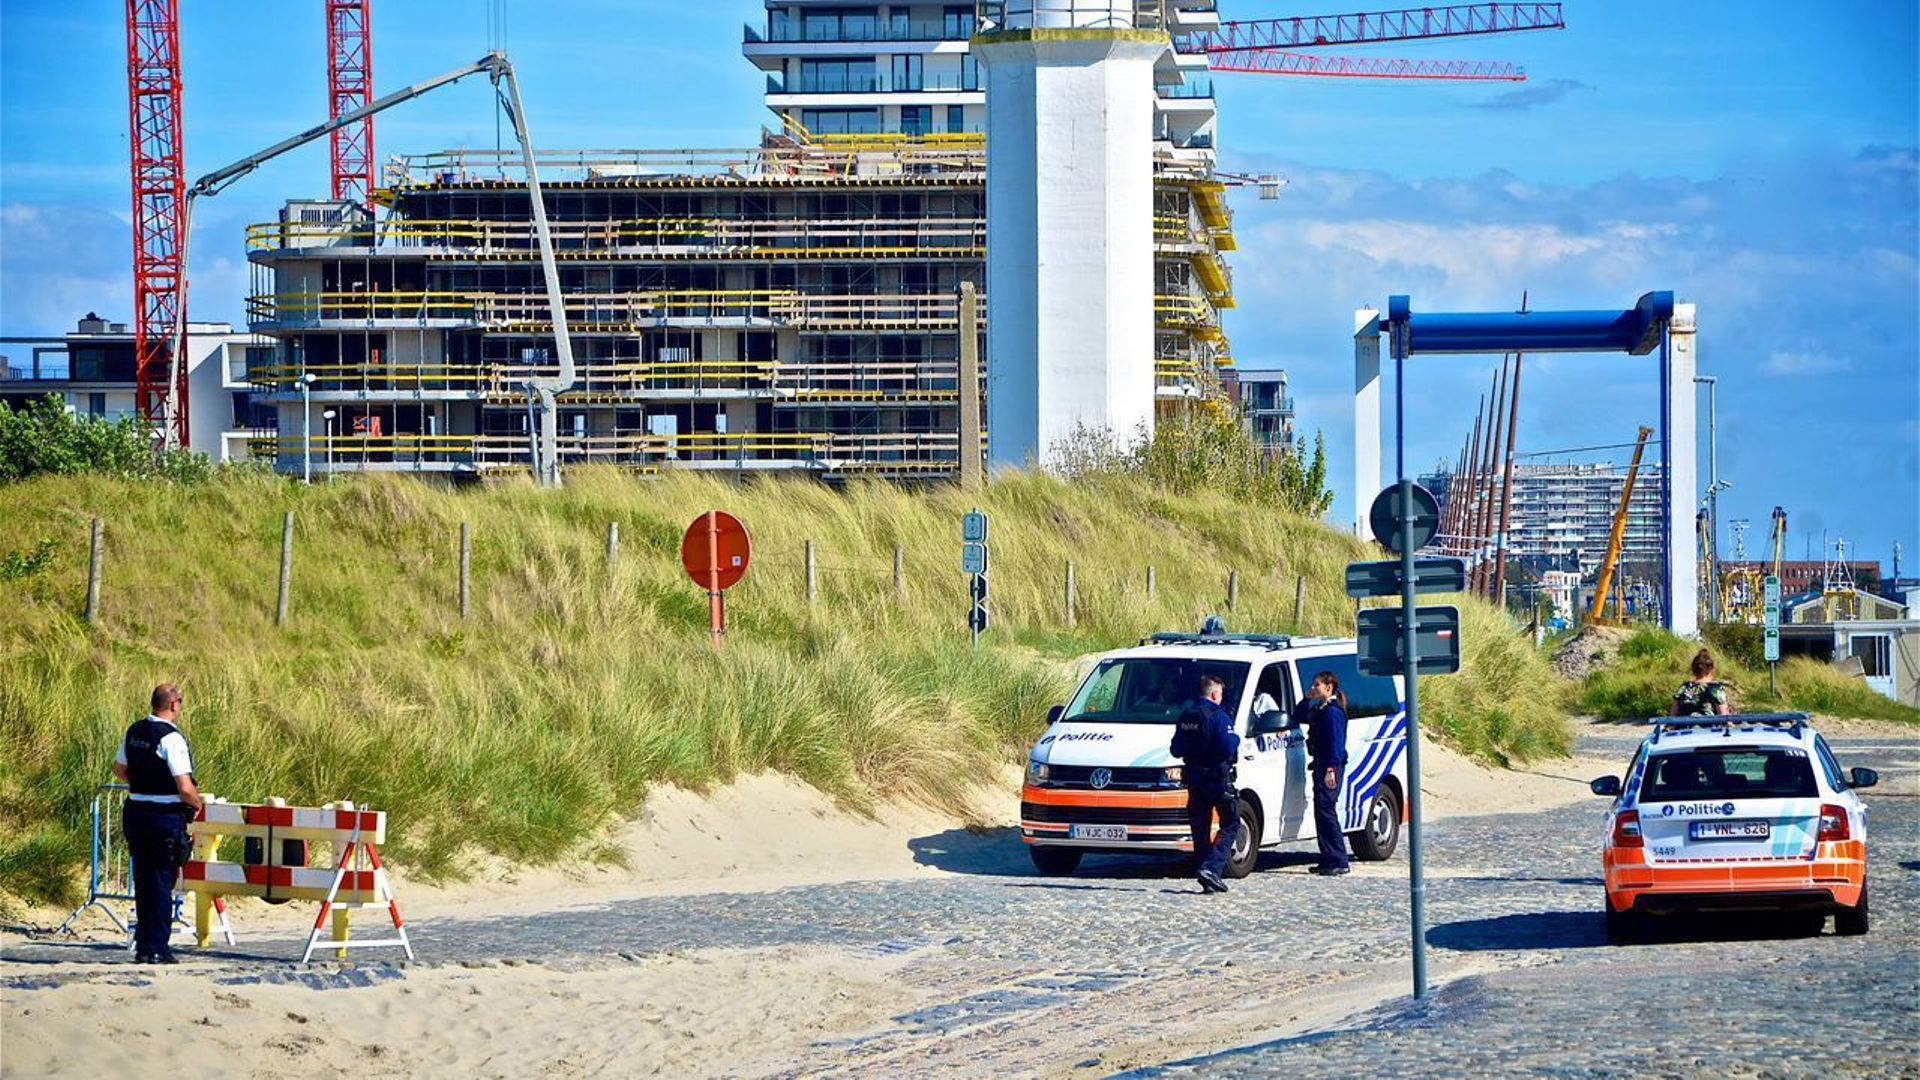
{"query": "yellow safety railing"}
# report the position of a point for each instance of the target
(395, 374)
(956, 237)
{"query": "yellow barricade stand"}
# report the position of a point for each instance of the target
(356, 880)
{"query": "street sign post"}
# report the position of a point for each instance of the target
(1771, 599)
(1383, 578)
(1405, 518)
(715, 552)
(1391, 510)
(973, 560)
(1383, 636)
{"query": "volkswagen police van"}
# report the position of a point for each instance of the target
(1748, 811)
(1102, 778)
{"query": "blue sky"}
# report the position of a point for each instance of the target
(1756, 158)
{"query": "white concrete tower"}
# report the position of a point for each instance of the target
(1070, 256)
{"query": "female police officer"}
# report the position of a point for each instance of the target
(1324, 711)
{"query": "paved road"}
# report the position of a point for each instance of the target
(1127, 970)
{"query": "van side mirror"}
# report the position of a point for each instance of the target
(1862, 778)
(1605, 785)
(1055, 713)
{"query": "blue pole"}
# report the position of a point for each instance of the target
(1410, 647)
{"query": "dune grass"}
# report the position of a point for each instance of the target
(1652, 664)
(526, 729)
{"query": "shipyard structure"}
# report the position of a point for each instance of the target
(790, 306)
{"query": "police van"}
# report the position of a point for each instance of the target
(1102, 779)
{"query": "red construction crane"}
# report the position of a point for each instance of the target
(1262, 45)
(159, 189)
(349, 87)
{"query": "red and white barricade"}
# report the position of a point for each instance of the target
(356, 880)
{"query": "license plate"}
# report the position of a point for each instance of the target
(1098, 832)
(1729, 830)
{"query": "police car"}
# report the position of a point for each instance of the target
(1102, 779)
(1749, 811)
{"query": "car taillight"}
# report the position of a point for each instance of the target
(1626, 829)
(1833, 823)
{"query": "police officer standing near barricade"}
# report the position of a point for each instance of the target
(1204, 741)
(1324, 711)
(161, 798)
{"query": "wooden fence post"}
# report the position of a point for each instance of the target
(1299, 599)
(286, 568)
(466, 569)
(1149, 581)
(813, 587)
(613, 546)
(1233, 589)
(95, 549)
(899, 572)
(1069, 593)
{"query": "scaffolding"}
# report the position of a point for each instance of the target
(790, 306)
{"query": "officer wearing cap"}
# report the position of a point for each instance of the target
(161, 797)
(1204, 741)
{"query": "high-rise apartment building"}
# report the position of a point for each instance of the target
(791, 306)
(1562, 515)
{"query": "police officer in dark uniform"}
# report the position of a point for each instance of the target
(161, 798)
(1204, 741)
(1324, 712)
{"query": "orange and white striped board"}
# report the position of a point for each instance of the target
(356, 880)
(336, 824)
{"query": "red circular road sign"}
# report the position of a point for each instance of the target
(716, 550)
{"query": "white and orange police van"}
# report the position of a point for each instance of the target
(1748, 811)
(1102, 777)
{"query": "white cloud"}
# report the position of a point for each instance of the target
(1805, 363)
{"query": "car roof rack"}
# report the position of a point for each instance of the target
(1793, 721)
(1266, 641)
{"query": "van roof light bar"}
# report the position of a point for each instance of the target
(1266, 641)
(1793, 721)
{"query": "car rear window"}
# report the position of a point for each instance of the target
(1734, 772)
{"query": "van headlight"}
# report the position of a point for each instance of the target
(1036, 772)
(1171, 775)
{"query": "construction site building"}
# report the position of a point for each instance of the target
(789, 306)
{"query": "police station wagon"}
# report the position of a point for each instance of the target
(1102, 777)
(1749, 811)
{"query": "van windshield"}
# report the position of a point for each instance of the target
(1736, 772)
(1151, 690)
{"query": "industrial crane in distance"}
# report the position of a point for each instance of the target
(1608, 565)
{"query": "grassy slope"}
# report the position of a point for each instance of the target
(527, 728)
(1652, 665)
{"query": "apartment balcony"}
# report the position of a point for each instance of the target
(1188, 89)
(877, 83)
(859, 32)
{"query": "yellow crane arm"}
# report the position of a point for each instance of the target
(1614, 541)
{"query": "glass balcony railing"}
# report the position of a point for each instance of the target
(872, 84)
(860, 30)
(1190, 88)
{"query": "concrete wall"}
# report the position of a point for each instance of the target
(1070, 264)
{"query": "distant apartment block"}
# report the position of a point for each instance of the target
(1562, 515)
(1266, 408)
(91, 370)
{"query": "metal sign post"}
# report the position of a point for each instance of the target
(1405, 517)
(1772, 629)
(973, 560)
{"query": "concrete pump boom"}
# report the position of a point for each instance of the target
(497, 68)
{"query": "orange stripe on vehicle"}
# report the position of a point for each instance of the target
(1140, 799)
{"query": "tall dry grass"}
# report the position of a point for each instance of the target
(527, 728)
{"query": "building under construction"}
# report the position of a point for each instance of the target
(790, 306)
